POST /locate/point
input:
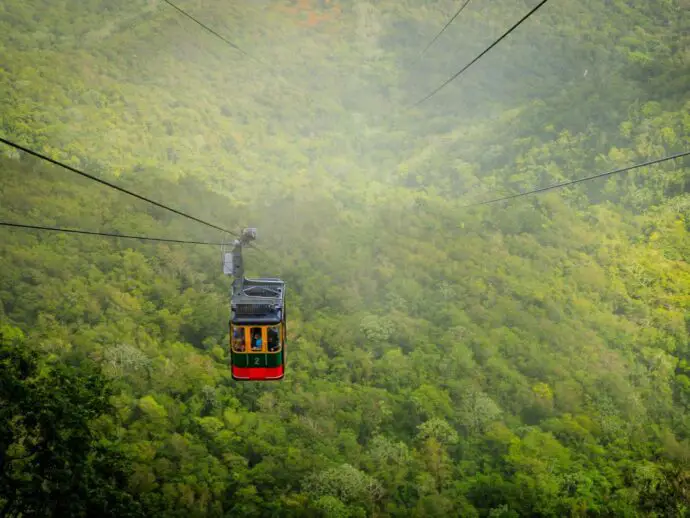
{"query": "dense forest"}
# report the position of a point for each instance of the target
(521, 358)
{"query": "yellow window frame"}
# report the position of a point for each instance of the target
(264, 338)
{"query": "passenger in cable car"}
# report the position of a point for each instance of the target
(238, 340)
(273, 343)
(258, 343)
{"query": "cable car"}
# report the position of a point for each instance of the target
(258, 332)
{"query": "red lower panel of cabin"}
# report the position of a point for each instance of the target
(258, 373)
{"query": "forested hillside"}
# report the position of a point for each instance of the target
(523, 358)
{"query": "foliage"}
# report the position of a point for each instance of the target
(53, 461)
(521, 359)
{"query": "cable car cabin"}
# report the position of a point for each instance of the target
(258, 334)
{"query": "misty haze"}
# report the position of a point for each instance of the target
(483, 263)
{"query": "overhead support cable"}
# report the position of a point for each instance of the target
(207, 28)
(269, 67)
(579, 180)
(113, 186)
(480, 56)
(104, 234)
(452, 19)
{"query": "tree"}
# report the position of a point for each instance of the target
(51, 462)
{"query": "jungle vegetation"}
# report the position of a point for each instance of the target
(523, 358)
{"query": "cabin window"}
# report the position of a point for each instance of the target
(273, 339)
(238, 340)
(257, 339)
